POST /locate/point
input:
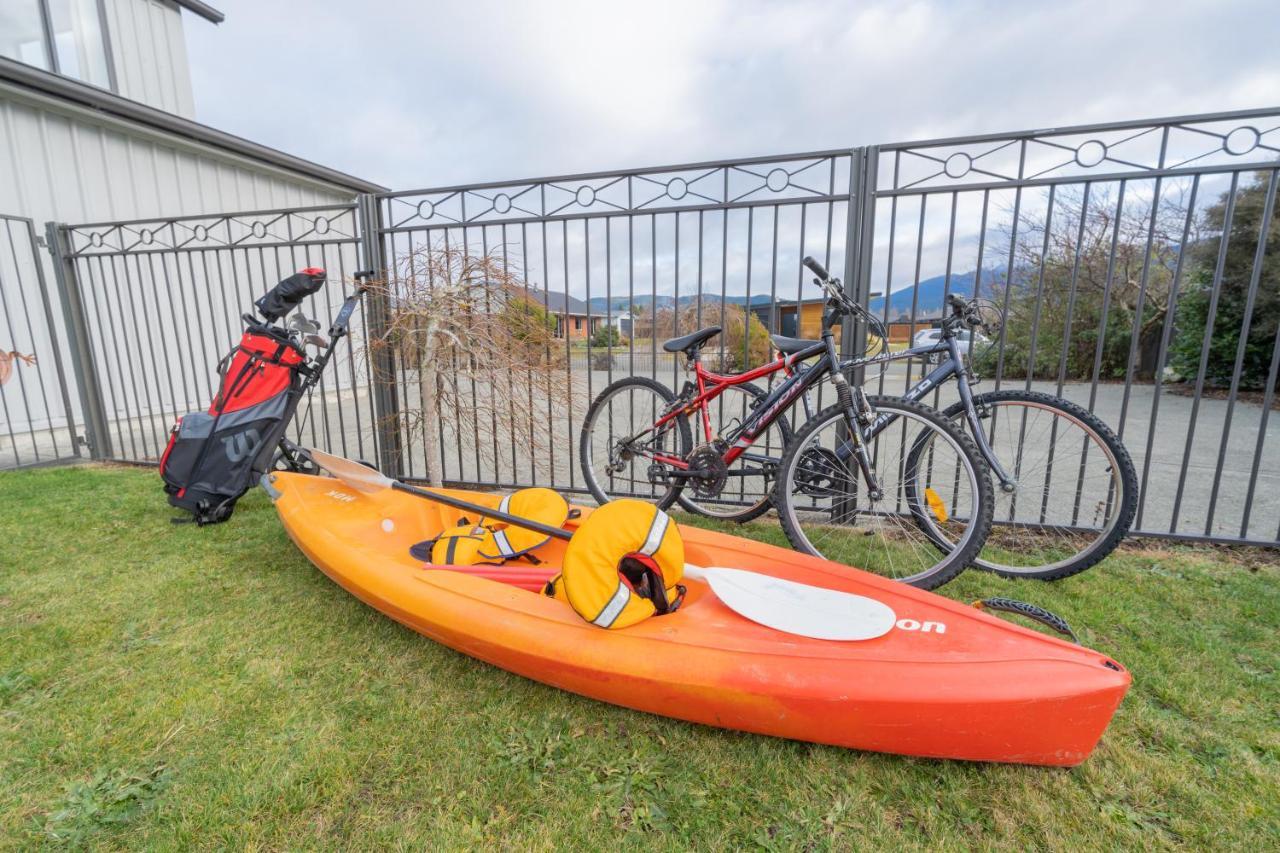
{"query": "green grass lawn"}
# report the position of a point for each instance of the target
(166, 686)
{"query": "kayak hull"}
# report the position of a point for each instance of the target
(947, 682)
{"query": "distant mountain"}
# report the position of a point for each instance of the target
(646, 300)
(927, 298)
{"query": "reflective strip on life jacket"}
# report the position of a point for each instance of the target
(614, 606)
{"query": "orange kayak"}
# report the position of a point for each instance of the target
(947, 682)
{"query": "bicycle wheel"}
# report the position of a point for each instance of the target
(617, 445)
(1075, 490)
(932, 514)
(746, 489)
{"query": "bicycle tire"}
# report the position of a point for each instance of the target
(584, 437)
(760, 508)
(953, 559)
(1128, 479)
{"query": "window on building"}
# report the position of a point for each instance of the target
(64, 36)
(22, 32)
(577, 324)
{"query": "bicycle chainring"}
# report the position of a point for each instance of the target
(708, 462)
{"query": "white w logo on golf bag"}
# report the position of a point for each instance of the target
(241, 444)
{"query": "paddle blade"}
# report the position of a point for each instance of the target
(362, 478)
(797, 608)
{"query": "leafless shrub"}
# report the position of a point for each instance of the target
(475, 348)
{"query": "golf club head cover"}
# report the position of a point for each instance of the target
(288, 294)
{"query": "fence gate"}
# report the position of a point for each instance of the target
(1135, 267)
(152, 305)
(662, 250)
(37, 424)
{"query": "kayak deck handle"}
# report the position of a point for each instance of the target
(1031, 611)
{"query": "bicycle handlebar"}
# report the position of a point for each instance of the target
(818, 269)
(965, 311)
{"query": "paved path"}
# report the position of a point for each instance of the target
(469, 460)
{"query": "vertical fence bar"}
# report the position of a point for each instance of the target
(73, 314)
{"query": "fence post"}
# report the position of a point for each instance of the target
(858, 238)
(386, 403)
(95, 411)
(859, 243)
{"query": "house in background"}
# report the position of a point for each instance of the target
(97, 123)
(575, 319)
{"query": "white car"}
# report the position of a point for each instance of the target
(929, 337)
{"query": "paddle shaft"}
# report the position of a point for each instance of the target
(467, 506)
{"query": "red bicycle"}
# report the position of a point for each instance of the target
(642, 437)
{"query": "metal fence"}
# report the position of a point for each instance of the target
(36, 418)
(1134, 264)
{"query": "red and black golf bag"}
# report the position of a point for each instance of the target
(214, 457)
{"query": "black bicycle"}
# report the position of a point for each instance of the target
(881, 483)
(1065, 486)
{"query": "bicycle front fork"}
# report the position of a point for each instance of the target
(857, 415)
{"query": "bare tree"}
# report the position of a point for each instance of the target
(479, 344)
(1092, 266)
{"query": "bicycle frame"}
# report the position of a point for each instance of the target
(710, 385)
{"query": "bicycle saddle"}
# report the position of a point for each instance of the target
(790, 346)
(692, 341)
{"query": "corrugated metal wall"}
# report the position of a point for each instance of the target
(63, 162)
(59, 162)
(150, 54)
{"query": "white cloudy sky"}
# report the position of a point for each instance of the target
(413, 94)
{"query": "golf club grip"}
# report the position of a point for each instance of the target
(488, 512)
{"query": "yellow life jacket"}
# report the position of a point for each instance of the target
(495, 543)
(505, 541)
(623, 565)
(459, 547)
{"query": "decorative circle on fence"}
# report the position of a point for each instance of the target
(146, 236)
(201, 232)
(321, 224)
(1090, 153)
(958, 165)
(259, 230)
(95, 240)
(778, 180)
(1242, 140)
(502, 203)
(677, 188)
(586, 196)
(426, 209)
